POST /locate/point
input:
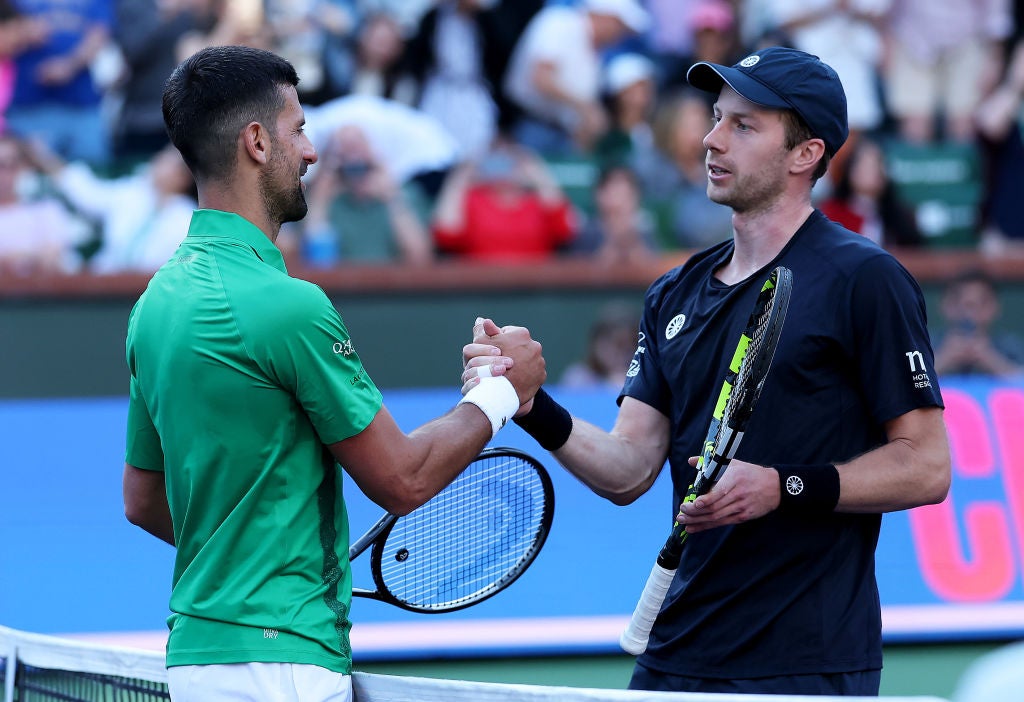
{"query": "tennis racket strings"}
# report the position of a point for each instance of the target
(465, 542)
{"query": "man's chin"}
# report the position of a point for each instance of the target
(297, 213)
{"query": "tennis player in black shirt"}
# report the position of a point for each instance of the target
(776, 592)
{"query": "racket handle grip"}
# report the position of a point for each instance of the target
(638, 631)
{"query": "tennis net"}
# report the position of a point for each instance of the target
(38, 668)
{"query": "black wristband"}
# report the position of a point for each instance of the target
(547, 422)
(808, 489)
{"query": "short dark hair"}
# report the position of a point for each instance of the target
(797, 132)
(213, 94)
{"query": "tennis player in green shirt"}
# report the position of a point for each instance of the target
(247, 393)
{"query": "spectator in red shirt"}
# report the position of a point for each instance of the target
(865, 200)
(505, 207)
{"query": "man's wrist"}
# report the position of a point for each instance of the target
(496, 398)
(808, 489)
(547, 422)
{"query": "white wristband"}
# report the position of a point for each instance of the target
(496, 398)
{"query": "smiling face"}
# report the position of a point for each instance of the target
(291, 154)
(747, 158)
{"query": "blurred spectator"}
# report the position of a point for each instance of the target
(670, 40)
(411, 145)
(997, 676)
(619, 231)
(377, 68)
(554, 74)
(17, 34)
(147, 33)
(504, 207)
(1000, 121)
(845, 34)
(357, 211)
(55, 97)
(676, 177)
(459, 56)
(446, 57)
(36, 235)
(611, 343)
(502, 23)
(315, 36)
(713, 24)
(406, 13)
(970, 305)
(226, 22)
(757, 27)
(864, 200)
(631, 92)
(142, 217)
(942, 58)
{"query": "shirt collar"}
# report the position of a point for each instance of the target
(216, 224)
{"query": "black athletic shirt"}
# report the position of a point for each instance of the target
(783, 595)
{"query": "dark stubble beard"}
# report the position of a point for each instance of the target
(751, 193)
(284, 203)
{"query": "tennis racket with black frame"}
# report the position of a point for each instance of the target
(742, 386)
(467, 543)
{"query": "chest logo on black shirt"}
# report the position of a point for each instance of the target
(675, 326)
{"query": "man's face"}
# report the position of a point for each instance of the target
(747, 160)
(971, 305)
(291, 154)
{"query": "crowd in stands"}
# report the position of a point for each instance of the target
(502, 130)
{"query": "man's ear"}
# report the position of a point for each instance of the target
(256, 140)
(807, 154)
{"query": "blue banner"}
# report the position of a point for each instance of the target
(71, 563)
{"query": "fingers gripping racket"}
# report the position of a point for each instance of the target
(743, 382)
(467, 543)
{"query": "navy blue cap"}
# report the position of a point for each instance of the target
(784, 79)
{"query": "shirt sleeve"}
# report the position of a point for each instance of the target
(891, 340)
(644, 380)
(144, 449)
(308, 350)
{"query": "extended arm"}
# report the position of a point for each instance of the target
(619, 465)
(401, 471)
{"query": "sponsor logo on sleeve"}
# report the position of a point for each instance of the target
(634, 363)
(918, 373)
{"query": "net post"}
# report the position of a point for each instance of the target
(10, 665)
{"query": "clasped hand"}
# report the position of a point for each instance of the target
(504, 351)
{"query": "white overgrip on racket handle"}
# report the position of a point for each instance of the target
(638, 631)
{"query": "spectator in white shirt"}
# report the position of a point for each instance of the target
(554, 74)
(142, 216)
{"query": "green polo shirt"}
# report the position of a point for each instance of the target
(240, 374)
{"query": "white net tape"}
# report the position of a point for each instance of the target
(55, 653)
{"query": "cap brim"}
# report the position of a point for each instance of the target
(710, 77)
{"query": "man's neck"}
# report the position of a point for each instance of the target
(758, 239)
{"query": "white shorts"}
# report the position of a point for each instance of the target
(257, 682)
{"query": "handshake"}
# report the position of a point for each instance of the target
(503, 371)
